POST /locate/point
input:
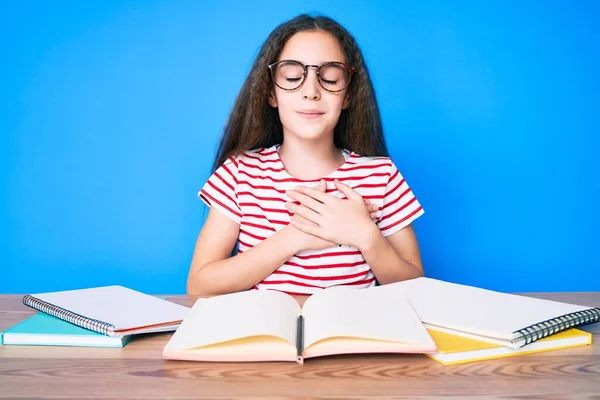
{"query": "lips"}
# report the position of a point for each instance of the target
(310, 114)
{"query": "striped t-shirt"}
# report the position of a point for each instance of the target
(250, 189)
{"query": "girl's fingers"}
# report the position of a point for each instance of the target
(372, 207)
(347, 190)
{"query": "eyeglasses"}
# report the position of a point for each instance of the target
(290, 74)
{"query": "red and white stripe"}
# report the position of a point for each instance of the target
(250, 189)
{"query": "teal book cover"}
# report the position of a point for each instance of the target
(45, 330)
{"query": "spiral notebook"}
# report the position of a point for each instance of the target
(110, 310)
(494, 317)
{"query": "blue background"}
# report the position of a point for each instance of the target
(110, 113)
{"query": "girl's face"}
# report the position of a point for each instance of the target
(310, 112)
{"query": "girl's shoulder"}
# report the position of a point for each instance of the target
(263, 154)
(254, 157)
(355, 158)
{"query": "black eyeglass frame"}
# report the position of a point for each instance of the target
(351, 70)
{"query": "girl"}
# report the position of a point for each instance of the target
(300, 171)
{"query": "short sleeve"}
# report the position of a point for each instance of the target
(400, 206)
(220, 191)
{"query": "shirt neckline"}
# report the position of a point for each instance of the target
(347, 156)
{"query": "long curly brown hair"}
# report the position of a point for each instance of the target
(254, 124)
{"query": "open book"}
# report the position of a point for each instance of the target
(266, 325)
(494, 317)
(110, 310)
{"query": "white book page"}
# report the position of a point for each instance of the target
(123, 307)
(239, 315)
(362, 313)
(475, 310)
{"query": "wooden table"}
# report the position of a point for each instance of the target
(138, 371)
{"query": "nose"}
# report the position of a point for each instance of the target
(311, 89)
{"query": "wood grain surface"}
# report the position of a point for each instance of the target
(137, 371)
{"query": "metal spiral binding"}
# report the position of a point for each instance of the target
(66, 315)
(549, 327)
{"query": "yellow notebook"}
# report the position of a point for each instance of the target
(454, 349)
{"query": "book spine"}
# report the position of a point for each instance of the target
(546, 328)
(69, 316)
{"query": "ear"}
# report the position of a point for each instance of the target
(347, 100)
(273, 99)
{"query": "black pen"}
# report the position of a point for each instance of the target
(300, 340)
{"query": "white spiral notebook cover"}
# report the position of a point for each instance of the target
(111, 310)
(502, 318)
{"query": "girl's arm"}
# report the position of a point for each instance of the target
(213, 272)
(392, 259)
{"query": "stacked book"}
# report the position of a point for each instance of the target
(107, 316)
